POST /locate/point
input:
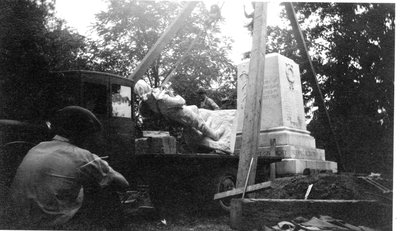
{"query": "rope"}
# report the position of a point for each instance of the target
(301, 40)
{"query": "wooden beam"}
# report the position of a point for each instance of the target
(252, 112)
(235, 218)
(238, 191)
(310, 201)
(162, 42)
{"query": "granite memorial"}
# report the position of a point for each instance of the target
(282, 118)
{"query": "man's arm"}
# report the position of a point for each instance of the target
(99, 170)
(212, 104)
(118, 181)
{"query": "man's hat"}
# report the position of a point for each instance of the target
(201, 90)
(75, 121)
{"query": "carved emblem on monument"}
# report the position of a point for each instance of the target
(290, 75)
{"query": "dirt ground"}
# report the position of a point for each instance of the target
(178, 208)
(182, 212)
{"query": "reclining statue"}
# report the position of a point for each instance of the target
(174, 108)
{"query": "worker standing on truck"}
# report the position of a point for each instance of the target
(205, 101)
(174, 108)
(48, 189)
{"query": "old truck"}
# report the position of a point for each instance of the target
(110, 98)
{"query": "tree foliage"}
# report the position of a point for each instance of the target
(353, 54)
(32, 43)
(128, 29)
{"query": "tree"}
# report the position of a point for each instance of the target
(32, 43)
(128, 29)
(353, 54)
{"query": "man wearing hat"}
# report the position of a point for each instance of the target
(206, 102)
(48, 189)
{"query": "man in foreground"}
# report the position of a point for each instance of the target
(48, 189)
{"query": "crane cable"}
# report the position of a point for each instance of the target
(186, 53)
(300, 40)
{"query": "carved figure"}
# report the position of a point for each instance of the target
(174, 108)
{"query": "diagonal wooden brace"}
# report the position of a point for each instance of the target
(238, 191)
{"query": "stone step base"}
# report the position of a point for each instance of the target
(292, 152)
(297, 166)
(282, 137)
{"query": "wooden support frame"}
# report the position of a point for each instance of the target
(252, 112)
(238, 191)
(156, 49)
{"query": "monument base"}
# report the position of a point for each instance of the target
(282, 136)
(297, 166)
(292, 152)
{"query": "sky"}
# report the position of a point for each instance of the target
(83, 16)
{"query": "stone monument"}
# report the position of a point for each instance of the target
(282, 118)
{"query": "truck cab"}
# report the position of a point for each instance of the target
(108, 96)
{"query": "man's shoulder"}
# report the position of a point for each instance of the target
(208, 99)
(60, 147)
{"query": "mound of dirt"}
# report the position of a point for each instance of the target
(326, 186)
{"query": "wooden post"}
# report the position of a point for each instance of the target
(252, 112)
(162, 41)
(236, 213)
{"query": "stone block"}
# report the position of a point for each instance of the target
(292, 152)
(141, 146)
(155, 142)
(282, 101)
(282, 137)
(297, 166)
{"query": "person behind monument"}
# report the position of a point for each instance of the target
(205, 101)
(50, 185)
(174, 108)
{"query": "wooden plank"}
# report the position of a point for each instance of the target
(180, 61)
(162, 42)
(235, 213)
(252, 112)
(309, 201)
(238, 191)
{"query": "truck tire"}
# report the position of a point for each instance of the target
(225, 181)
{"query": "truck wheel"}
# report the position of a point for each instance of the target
(226, 181)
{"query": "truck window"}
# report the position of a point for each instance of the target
(95, 98)
(121, 101)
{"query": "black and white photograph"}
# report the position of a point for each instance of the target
(208, 115)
